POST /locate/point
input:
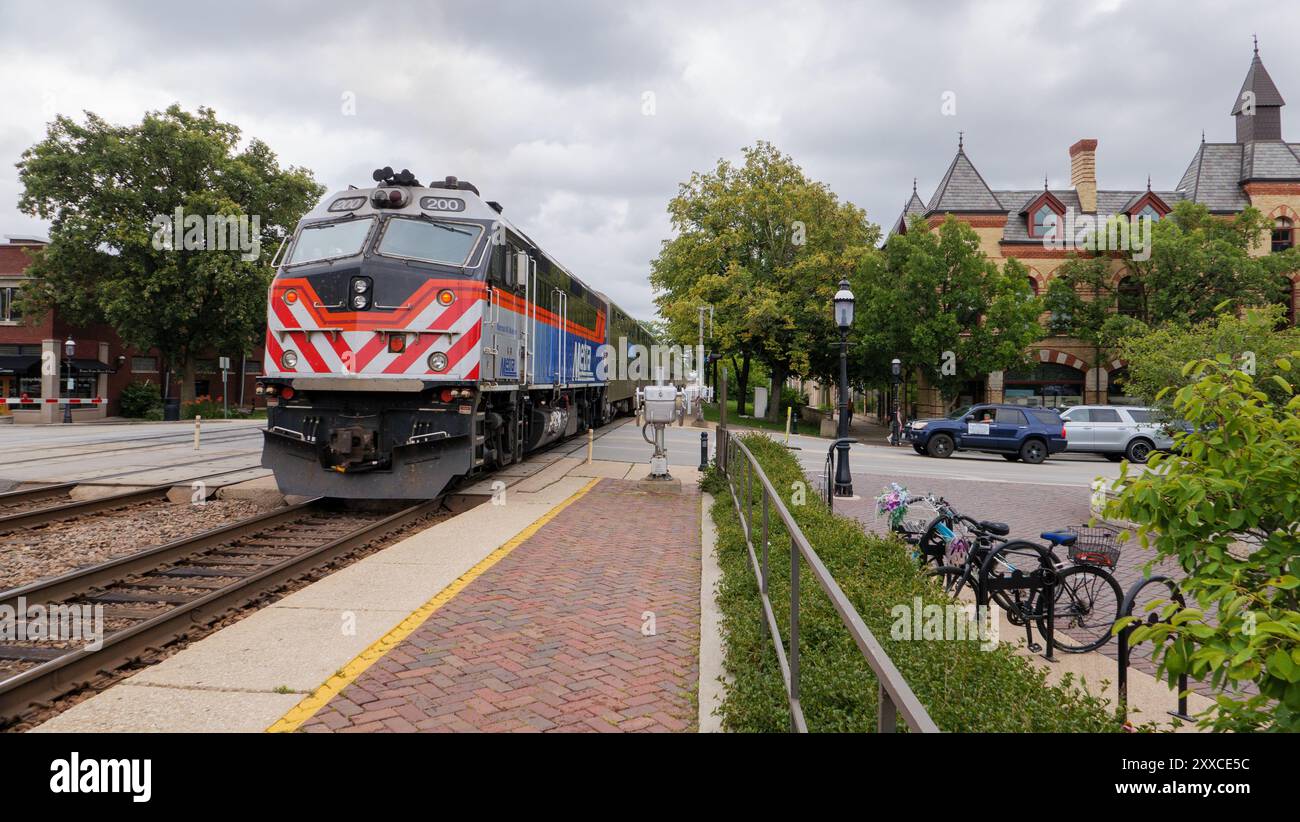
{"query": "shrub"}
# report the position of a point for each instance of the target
(203, 406)
(963, 687)
(1228, 509)
(138, 398)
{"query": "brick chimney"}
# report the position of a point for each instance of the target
(1083, 173)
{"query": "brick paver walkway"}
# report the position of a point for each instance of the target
(554, 636)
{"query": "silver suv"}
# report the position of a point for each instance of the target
(1115, 431)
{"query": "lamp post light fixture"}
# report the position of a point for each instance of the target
(69, 349)
(843, 303)
(895, 412)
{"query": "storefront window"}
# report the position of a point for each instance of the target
(1047, 385)
(1116, 391)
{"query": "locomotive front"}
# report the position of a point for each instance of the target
(373, 342)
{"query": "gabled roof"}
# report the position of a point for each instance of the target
(1045, 196)
(914, 207)
(963, 189)
(1132, 203)
(1261, 85)
(1108, 203)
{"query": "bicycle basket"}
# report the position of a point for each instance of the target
(1095, 545)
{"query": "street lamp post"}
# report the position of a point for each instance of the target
(895, 417)
(69, 348)
(843, 302)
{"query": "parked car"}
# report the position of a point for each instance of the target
(1014, 431)
(1116, 431)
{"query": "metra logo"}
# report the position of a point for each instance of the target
(582, 362)
(77, 775)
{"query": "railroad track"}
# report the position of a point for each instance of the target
(156, 597)
(77, 450)
(24, 509)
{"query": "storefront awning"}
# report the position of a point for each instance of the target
(25, 366)
(90, 367)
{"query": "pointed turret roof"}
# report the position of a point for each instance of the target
(1260, 85)
(915, 207)
(963, 189)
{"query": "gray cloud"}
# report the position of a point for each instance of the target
(541, 104)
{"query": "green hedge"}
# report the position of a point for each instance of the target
(963, 687)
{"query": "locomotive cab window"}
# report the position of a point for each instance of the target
(330, 241)
(435, 241)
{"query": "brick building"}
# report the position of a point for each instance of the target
(34, 367)
(1259, 168)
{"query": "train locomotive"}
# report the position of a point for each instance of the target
(416, 337)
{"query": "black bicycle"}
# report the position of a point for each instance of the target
(1014, 574)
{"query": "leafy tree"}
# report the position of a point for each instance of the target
(105, 189)
(1157, 356)
(934, 291)
(765, 246)
(1227, 509)
(1198, 261)
(1084, 301)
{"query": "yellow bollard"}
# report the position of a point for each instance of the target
(788, 409)
(197, 420)
(591, 443)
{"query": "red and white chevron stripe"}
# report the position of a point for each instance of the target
(356, 343)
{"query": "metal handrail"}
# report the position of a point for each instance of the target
(895, 695)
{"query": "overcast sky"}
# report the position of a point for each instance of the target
(541, 104)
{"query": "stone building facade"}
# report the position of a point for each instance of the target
(1259, 168)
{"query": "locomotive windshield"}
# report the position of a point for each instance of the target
(434, 241)
(330, 241)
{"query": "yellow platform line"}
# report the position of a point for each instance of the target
(317, 699)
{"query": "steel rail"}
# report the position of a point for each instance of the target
(33, 688)
(55, 513)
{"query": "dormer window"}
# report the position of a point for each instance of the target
(1044, 223)
(1043, 216)
(1147, 205)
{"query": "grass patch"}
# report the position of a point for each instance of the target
(963, 687)
(734, 421)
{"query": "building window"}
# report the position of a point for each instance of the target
(9, 311)
(1043, 223)
(1283, 234)
(1148, 210)
(252, 366)
(144, 365)
(1033, 287)
(1130, 297)
(1117, 388)
(1048, 385)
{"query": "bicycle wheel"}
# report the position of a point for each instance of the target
(932, 546)
(1009, 561)
(1086, 607)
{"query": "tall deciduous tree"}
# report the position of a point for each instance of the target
(934, 292)
(109, 189)
(765, 246)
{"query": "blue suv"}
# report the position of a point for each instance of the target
(1014, 431)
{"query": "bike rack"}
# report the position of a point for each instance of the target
(1042, 579)
(828, 472)
(1125, 650)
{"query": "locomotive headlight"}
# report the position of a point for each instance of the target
(289, 359)
(438, 361)
(360, 286)
(360, 301)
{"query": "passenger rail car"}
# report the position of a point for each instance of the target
(415, 337)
